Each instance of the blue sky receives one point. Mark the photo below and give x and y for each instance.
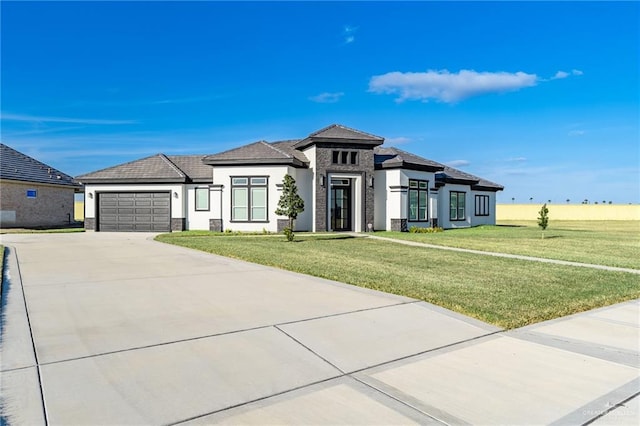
(540, 97)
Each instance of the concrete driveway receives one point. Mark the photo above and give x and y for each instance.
(108, 328)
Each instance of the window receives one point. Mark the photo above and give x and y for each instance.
(456, 205)
(32, 193)
(249, 199)
(418, 196)
(202, 199)
(482, 205)
(344, 157)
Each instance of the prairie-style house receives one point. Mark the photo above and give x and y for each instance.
(347, 179)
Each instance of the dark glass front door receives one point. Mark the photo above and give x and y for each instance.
(341, 208)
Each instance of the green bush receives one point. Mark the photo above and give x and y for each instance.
(288, 232)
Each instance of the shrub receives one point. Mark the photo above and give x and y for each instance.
(419, 230)
(288, 232)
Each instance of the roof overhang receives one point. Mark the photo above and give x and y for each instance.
(132, 180)
(307, 142)
(487, 188)
(408, 166)
(256, 162)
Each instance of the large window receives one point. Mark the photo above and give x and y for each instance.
(456, 205)
(202, 199)
(418, 196)
(249, 199)
(482, 205)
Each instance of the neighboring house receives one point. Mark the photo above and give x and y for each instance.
(33, 194)
(346, 179)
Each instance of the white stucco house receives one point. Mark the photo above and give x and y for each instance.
(347, 179)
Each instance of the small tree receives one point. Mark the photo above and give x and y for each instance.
(290, 204)
(543, 219)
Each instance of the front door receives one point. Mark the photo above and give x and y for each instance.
(340, 205)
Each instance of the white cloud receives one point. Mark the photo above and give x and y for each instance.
(559, 75)
(577, 133)
(327, 97)
(400, 140)
(448, 87)
(349, 34)
(458, 163)
(576, 72)
(45, 119)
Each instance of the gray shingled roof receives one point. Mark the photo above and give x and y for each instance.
(156, 168)
(15, 165)
(260, 152)
(389, 158)
(193, 167)
(336, 132)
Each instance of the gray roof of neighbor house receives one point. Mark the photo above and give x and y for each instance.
(15, 165)
(338, 132)
(157, 168)
(260, 152)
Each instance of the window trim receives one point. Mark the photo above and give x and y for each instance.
(457, 195)
(482, 206)
(421, 186)
(202, 209)
(249, 185)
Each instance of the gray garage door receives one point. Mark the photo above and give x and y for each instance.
(134, 211)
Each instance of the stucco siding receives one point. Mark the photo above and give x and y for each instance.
(380, 200)
(198, 219)
(444, 219)
(490, 217)
(53, 205)
(222, 176)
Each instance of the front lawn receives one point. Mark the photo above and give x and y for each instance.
(611, 243)
(506, 292)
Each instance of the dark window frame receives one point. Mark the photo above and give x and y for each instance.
(345, 157)
(457, 195)
(200, 209)
(421, 188)
(482, 205)
(250, 185)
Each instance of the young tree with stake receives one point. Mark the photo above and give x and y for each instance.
(290, 204)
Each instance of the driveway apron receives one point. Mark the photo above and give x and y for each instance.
(115, 328)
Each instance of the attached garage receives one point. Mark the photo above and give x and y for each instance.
(134, 211)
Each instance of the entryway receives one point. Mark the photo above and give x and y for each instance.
(341, 204)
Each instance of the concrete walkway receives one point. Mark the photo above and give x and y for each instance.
(101, 328)
(495, 254)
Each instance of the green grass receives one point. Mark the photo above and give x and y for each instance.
(611, 243)
(40, 231)
(505, 292)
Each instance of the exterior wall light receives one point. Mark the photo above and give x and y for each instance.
(91, 195)
(322, 178)
(371, 181)
(175, 194)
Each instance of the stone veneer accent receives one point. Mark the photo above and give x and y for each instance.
(399, 225)
(178, 224)
(324, 166)
(90, 223)
(215, 225)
